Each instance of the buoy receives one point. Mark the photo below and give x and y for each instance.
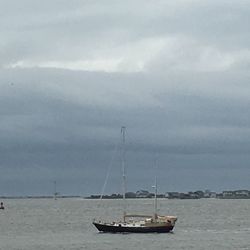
(1, 205)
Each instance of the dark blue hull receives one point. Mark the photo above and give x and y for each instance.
(123, 229)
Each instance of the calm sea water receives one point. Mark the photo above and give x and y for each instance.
(35, 224)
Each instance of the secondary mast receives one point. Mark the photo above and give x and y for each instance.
(156, 190)
(155, 201)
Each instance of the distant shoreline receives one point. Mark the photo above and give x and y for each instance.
(236, 194)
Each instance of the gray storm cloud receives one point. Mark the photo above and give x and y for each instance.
(175, 73)
(116, 36)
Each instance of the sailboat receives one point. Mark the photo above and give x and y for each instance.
(137, 223)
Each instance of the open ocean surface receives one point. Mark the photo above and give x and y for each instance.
(34, 224)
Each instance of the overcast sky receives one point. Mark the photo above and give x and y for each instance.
(175, 73)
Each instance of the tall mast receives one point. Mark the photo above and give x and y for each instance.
(123, 130)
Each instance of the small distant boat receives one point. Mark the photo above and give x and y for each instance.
(136, 223)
